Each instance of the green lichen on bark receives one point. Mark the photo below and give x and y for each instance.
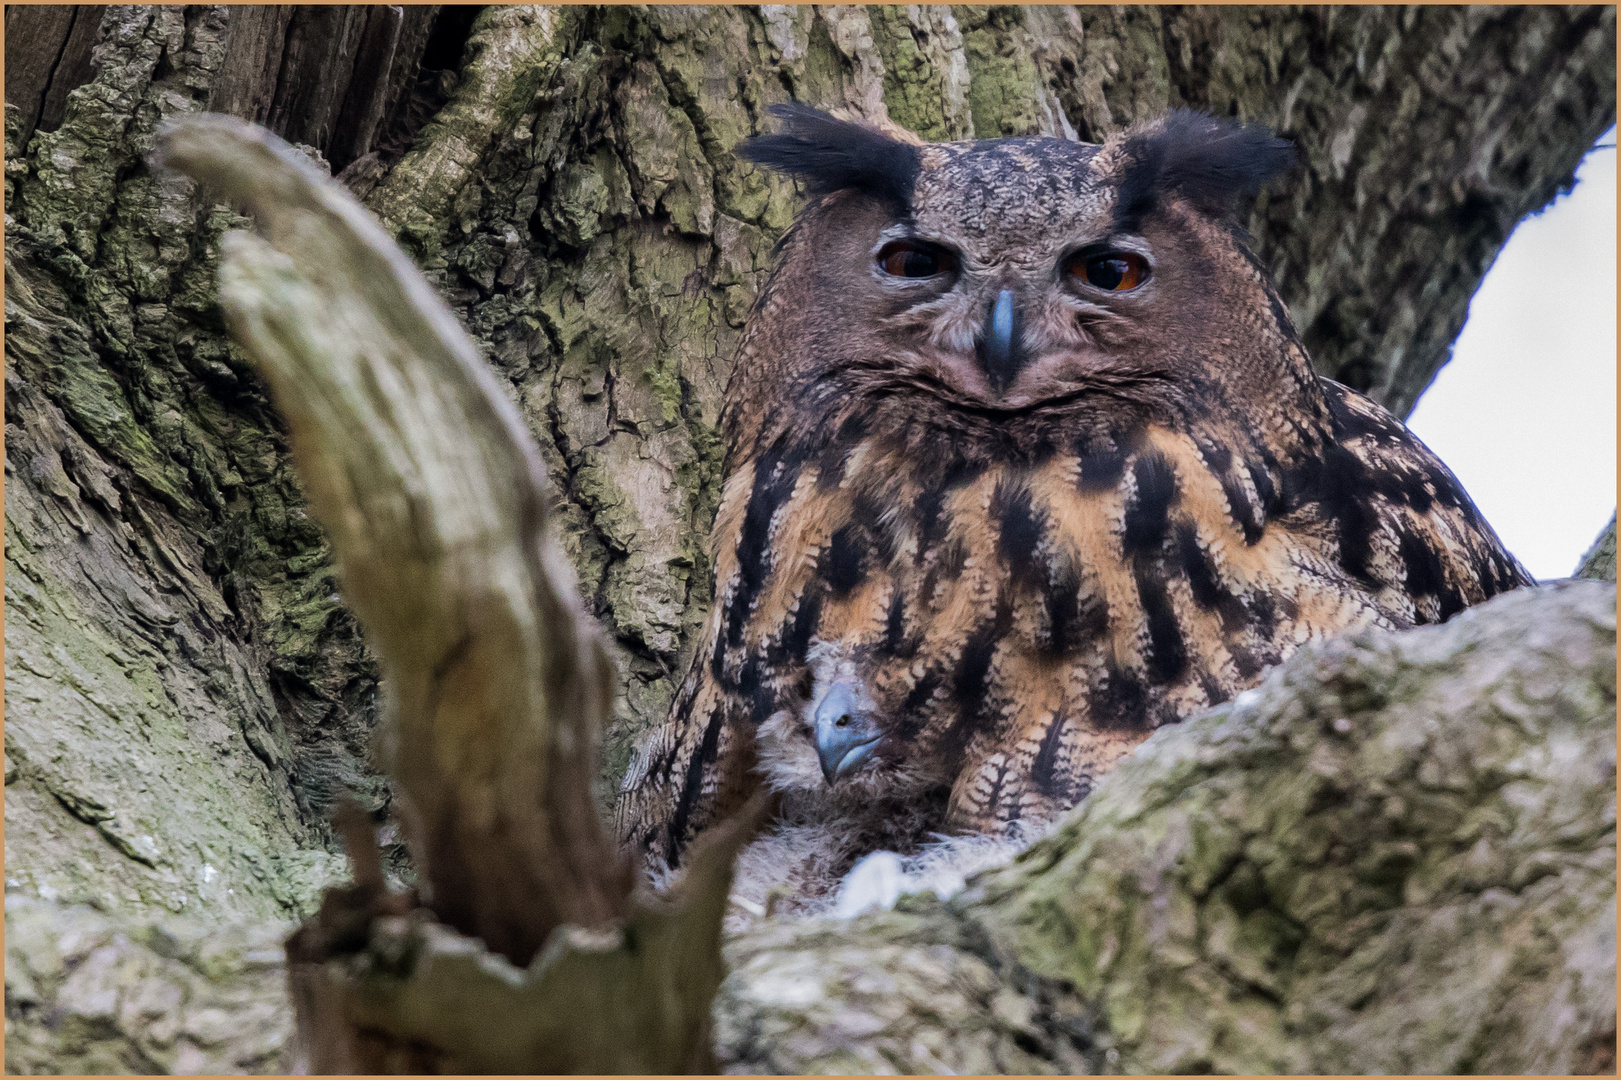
(926, 73)
(433, 192)
(157, 724)
(1002, 71)
(579, 203)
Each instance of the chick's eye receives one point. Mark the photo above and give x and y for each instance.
(1114, 271)
(905, 259)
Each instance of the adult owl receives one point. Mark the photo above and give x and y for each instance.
(1026, 459)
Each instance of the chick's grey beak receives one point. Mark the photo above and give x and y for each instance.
(846, 734)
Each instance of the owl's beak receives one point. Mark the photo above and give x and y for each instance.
(846, 734)
(1001, 341)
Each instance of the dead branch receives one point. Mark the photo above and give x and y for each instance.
(436, 503)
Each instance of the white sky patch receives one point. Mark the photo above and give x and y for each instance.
(1524, 414)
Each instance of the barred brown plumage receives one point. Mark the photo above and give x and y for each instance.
(989, 521)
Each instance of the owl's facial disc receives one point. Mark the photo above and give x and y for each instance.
(1006, 319)
(1013, 275)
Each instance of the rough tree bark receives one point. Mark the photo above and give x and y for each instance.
(187, 694)
(1599, 562)
(1397, 855)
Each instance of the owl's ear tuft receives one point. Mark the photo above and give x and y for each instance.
(1217, 165)
(828, 155)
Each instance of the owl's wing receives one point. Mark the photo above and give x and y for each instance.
(1444, 555)
(674, 787)
(1023, 624)
(697, 767)
(668, 792)
(1206, 562)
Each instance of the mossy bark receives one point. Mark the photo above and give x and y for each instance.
(1397, 855)
(1599, 562)
(173, 639)
(188, 694)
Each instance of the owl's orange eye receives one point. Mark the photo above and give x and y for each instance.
(907, 258)
(1113, 271)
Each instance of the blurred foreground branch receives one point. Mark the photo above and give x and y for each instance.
(532, 951)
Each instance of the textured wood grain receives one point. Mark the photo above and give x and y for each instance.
(255, 39)
(48, 54)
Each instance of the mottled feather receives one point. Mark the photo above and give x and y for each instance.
(1025, 582)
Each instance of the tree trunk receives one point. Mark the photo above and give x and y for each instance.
(566, 177)
(188, 695)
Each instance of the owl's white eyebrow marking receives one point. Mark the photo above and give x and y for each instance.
(909, 230)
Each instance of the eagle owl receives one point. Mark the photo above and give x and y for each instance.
(1026, 459)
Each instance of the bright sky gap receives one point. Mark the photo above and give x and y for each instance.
(1525, 413)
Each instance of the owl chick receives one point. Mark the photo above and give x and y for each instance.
(1026, 459)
